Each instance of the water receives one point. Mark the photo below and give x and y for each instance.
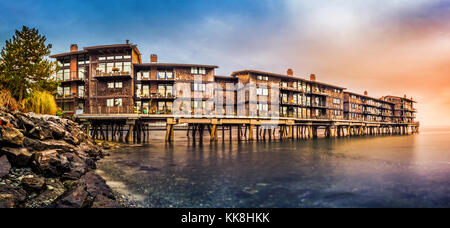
(386, 171)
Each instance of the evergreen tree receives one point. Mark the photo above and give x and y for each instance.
(24, 66)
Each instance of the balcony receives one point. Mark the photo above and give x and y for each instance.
(158, 79)
(289, 88)
(69, 97)
(157, 96)
(113, 75)
(315, 92)
(318, 105)
(74, 77)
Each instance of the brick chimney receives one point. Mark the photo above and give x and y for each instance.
(312, 77)
(406, 96)
(366, 93)
(73, 47)
(153, 58)
(127, 41)
(290, 72)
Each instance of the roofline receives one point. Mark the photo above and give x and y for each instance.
(407, 99)
(373, 98)
(285, 76)
(87, 49)
(174, 65)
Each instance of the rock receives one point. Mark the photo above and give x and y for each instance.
(19, 157)
(104, 202)
(5, 166)
(33, 184)
(89, 191)
(50, 163)
(75, 198)
(11, 196)
(11, 136)
(39, 145)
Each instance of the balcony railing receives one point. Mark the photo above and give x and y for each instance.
(69, 96)
(113, 74)
(157, 96)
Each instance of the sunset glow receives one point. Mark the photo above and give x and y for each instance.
(385, 47)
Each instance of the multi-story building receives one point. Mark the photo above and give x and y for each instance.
(364, 108)
(403, 111)
(97, 79)
(112, 79)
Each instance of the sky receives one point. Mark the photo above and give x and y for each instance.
(385, 47)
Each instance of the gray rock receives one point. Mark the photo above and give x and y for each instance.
(11, 196)
(5, 166)
(19, 157)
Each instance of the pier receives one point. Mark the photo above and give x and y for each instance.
(136, 128)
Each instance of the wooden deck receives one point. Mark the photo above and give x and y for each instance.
(135, 127)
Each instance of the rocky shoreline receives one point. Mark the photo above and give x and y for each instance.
(47, 161)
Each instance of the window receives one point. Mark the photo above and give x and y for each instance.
(109, 67)
(198, 70)
(165, 75)
(146, 90)
(110, 85)
(139, 76)
(118, 85)
(284, 84)
(60, 75)
(127, 67)
(194, 70)
(262, 78)
(118, 102)
(80, 91)
(110, 57)
(81, 73)
(263, 107)
(118, 66)
(198, 104)
(198, 87)
(336, 101)
(262, 92)
(127, 57)
(145, 75)
(110, 103)
(67, 91)
(102, 58)
(201, 70)
(119, 57)
(66, 74)
(101, 68)
(60, 91)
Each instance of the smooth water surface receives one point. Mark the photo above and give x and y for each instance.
(384, 171)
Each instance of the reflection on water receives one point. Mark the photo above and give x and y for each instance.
(391, 171)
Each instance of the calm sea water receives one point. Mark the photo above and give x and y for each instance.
(385, 171)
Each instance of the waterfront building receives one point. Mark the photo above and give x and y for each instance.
(364, 108)
(112, 79)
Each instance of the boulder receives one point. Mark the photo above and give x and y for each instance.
(5, 166)
(33, 184)
(11, 196)
(50, 163)
(19, 157)
(11, 136)
(90, 190)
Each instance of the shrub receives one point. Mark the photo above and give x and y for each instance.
(40, 102)
(7, 101)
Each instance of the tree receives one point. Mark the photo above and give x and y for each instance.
(24, 66)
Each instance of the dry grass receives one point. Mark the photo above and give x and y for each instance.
(7, 101)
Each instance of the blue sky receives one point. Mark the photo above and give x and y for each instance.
(385, 47)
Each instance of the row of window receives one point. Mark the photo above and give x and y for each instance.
(163, 90)
(114, 67)
(160, 75)
(115, 85)
(114, 57)
(65, 91)
(198, 70)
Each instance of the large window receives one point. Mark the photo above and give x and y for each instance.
(81, 72)
(262, 92)
(198, 70)
(101, 68)
(66, 74)
(60, 91)
(165, 75)
(66, 91)
(198, 87)
(165, 90)
(145, 90)
(60, 75)
(114, 102)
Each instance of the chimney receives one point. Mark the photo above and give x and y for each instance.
(405, 96)
(128, 41)
(153, 58)
(73, 47)
(290, 72)
(312, 77)
(366, 93)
